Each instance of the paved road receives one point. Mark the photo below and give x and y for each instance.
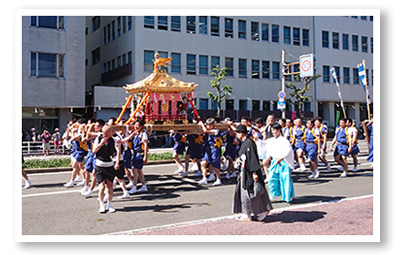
(50, 209)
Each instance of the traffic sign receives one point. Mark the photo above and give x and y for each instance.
(281, 94)
(281, 105)
(307, 65)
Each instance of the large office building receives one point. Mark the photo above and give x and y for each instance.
(120, 50)
(53, 70)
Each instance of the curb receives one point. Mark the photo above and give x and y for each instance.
(66, 169)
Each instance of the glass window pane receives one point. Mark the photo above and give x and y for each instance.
(176, 23)
(265, 32)
(176, 63)
(228, 27)
(214, 62)
(215, 26)
(47, 65)
(242, 29)
(61, 66)
(203, 62)
(148, 21)
(203, 24)
(148, 60)
(33, 64)
(191, 24)
(163, 22)
(190, 64)
(275, 33)
(48, 21)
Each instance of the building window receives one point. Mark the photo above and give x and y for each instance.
(203, 65)
(264, 32)
(203, 25)
(95, 23)
(242, 29)
(163, 54)
(148, 60)
(229, 27)
(118, 27)
(287, 35)
(112, 30)
(275, 33)
(242, 68)
(95, 56)
(108, 33)
(163, 22)
(229, 104)
(345, 41)
(326, 74)
(265, 69)
(356, 79)
(229, 66)
(176, 63)
(55, 22)
(214, 62)
(119, 63)
(296, 36)
(191, 24)
(255, 105)
(337, 71)
(266, 105)
(275, 71)
(191, 64)
(130, 60)
(255, 31)
(364, 44)
(306, 37)
(243, 105)
(325, 39)
(203, 103)
(124, 61)
(335, 40)
(176, 23)
(346, 75)
(124, 24)
(372, 45)
(215, 26)
(255, 69)
(149, 21)
(47, 65)
(105, 35)
(364, 17)
(129, 23)
(354, 42)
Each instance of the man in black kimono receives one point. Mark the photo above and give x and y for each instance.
(251, 196)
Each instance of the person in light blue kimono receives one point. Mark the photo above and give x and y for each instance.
(370, 130)
(280, 152)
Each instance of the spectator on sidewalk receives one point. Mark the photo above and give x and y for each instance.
(46, 136)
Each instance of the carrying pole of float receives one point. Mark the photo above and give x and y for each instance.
(137, 109)
(128, 101)
(283, 78)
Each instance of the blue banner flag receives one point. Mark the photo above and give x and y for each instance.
(362, 75)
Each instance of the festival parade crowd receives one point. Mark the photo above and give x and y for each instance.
(260, 154)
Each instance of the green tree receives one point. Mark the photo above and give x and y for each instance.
(222, 92)
(298, 97)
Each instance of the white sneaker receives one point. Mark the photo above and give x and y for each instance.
(340, 168)
(143, 189)
(227, 176)
(312, 175)
(180, 170)
(184, 174)
(262, 216)
(302, 168)
(211, 178)
(27, 184)
(272, 197)
(316, 175)
(232, 175)
(130, 184)
(132, 190)
(96, 188)
(110, 208)
(199, 173)
(328, 168)
(114, 184)
(82, 183)
(84, 189)
(125, 195)
(194, 168)
(78, 178)
(87, 193)
(354, 169)
(217, 182)
(102, 209)
(105, 200)
(343, 175)
(203, 181)
(69, 184)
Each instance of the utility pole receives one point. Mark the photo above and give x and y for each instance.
(283, 78)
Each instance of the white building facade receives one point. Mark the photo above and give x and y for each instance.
(53, 70)
(120, 50)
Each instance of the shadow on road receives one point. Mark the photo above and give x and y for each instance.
(295, 216)
(163, 208)
(313, 199)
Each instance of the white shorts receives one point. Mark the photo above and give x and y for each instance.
(46, 146)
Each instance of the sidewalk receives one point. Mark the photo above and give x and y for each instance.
(346, 217)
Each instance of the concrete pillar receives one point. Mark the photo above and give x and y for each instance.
(332, 114)
(357, 113)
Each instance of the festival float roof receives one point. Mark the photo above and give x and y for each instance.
(160, 82)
